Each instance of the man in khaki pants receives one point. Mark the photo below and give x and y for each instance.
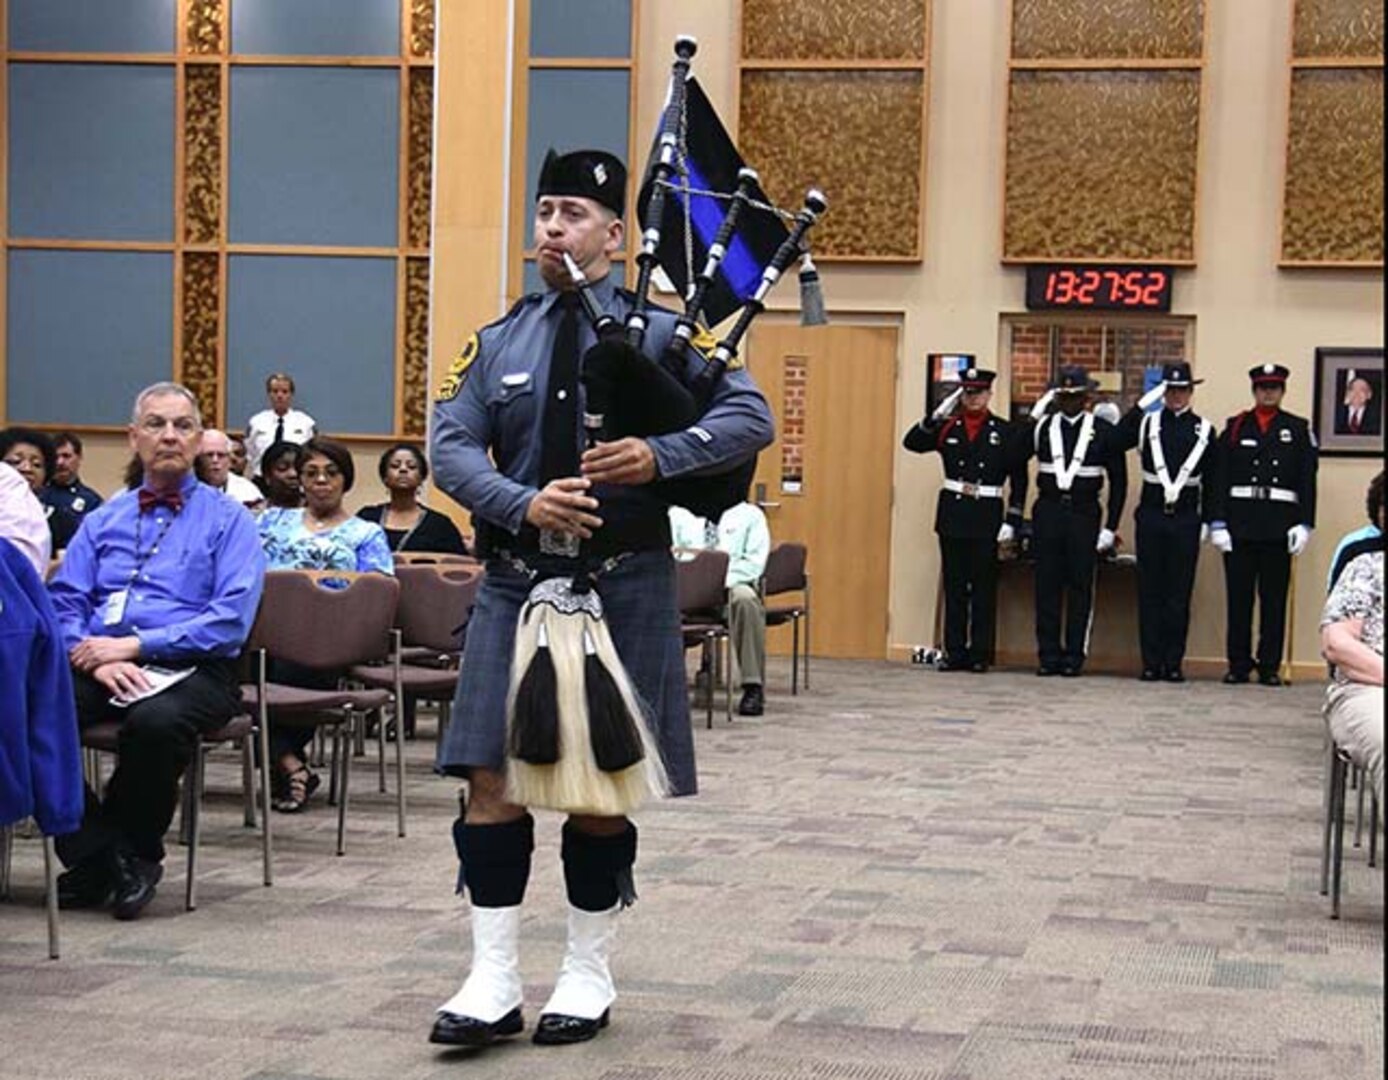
(742, 533)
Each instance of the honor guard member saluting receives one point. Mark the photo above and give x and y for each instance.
(1262, 511)
(1175, 446)
(506, 444)
(1075, 450)
(980, 452)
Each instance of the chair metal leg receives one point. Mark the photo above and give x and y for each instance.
(332, 765)
(1337, 855)
(6, 845)
(1328, 813)
(401, 715)
(381, 746)
(1373, 828)
(50, 877)
(727, 644)
(248, 782)
(794, 655)
(707, 666)
(346, 758)
(1359, 810)
(192, 815)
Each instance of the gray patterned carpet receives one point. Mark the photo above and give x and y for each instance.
(902, 875)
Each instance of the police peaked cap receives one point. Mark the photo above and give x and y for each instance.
(585, 174)
(976, 378)
(1178, 375)
(1073, 379)
(1268, 373)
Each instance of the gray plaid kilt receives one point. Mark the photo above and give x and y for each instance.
(638, 598)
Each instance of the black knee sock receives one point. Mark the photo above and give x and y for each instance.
(597, 869)
(494, 860)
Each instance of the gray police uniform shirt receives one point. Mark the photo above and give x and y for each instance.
(488, 414)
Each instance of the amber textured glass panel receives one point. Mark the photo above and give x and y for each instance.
(1338, 28)
(205, 21)
(422, 28)
(1334, 198)
(419, 157)
(1107, 29)
(200, 320)
(1102, 165)
(833, 29)
(415, 389)
(854, 134)
(202, 155)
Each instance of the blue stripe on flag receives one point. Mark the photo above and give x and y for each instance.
(739, 267)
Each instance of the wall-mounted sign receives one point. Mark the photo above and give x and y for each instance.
(1077, 287)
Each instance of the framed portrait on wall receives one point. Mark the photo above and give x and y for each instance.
(1348, 416)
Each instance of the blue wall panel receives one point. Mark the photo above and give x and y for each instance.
(573, 109)
(313, 156)
(593, 28)
(91, 151)
(329, 322)
(87, 330)
(118, 26)
(316, 27)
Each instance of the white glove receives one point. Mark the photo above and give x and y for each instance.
(947, 406)
(1147, 400)
(1043, 403)
(1298, 536)
(1106, 540)
(1006, 534)
(1220, 538)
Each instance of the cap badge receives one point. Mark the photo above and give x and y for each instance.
(600, 173)
(1268, 369)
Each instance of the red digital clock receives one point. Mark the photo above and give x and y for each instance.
(1098, 288)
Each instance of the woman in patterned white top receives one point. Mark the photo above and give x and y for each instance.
(320, 536)
(1352, 641)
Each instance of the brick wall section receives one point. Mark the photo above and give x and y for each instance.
(795, 382)
(1093, 347)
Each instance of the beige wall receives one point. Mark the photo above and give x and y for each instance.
(1245, 308)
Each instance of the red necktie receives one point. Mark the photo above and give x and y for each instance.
(150, 500)
(1354, 423)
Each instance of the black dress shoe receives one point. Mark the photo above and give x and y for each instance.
(1235, 678)
(1070, 671)
(450, 1029)
(753, 701)
(1174, 675)
(1269, 678)
(979, 667)
(1150, 675)
(952, 665)
(86, 885)
(1047, 670)
(135, 879)
(555, 1029)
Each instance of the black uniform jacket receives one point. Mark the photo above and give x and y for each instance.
(996, 455)
(1105, 457)
(1179, 434)
(1270, 466)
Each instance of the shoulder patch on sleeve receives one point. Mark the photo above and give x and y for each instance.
(458, 370)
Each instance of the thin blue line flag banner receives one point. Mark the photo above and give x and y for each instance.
(713, 163)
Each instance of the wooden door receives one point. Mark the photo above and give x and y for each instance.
(827, 480)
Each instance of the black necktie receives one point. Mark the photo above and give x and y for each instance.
(279, 430)
(559, 451)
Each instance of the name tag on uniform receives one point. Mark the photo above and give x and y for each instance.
(115, 607)
(1248, 442)
(516, 378)
(952, 441)
(1285, 435)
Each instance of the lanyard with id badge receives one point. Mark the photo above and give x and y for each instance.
(114, 611)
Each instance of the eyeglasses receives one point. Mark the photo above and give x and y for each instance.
(183, 425)
(332, 472)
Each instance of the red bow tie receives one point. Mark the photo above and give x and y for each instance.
(150, 500)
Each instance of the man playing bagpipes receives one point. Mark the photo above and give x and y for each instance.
(576, 625)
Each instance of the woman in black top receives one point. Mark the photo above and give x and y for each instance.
(409, 525)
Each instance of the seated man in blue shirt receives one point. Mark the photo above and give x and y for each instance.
(169, 574)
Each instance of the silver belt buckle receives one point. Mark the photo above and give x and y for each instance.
(970, 490)
(563, 545)
(1263, 493)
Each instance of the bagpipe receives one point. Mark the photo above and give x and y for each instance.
(629, 394)
(577, 737)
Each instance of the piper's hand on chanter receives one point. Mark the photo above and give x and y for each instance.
(564, 506)
(626, 461)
